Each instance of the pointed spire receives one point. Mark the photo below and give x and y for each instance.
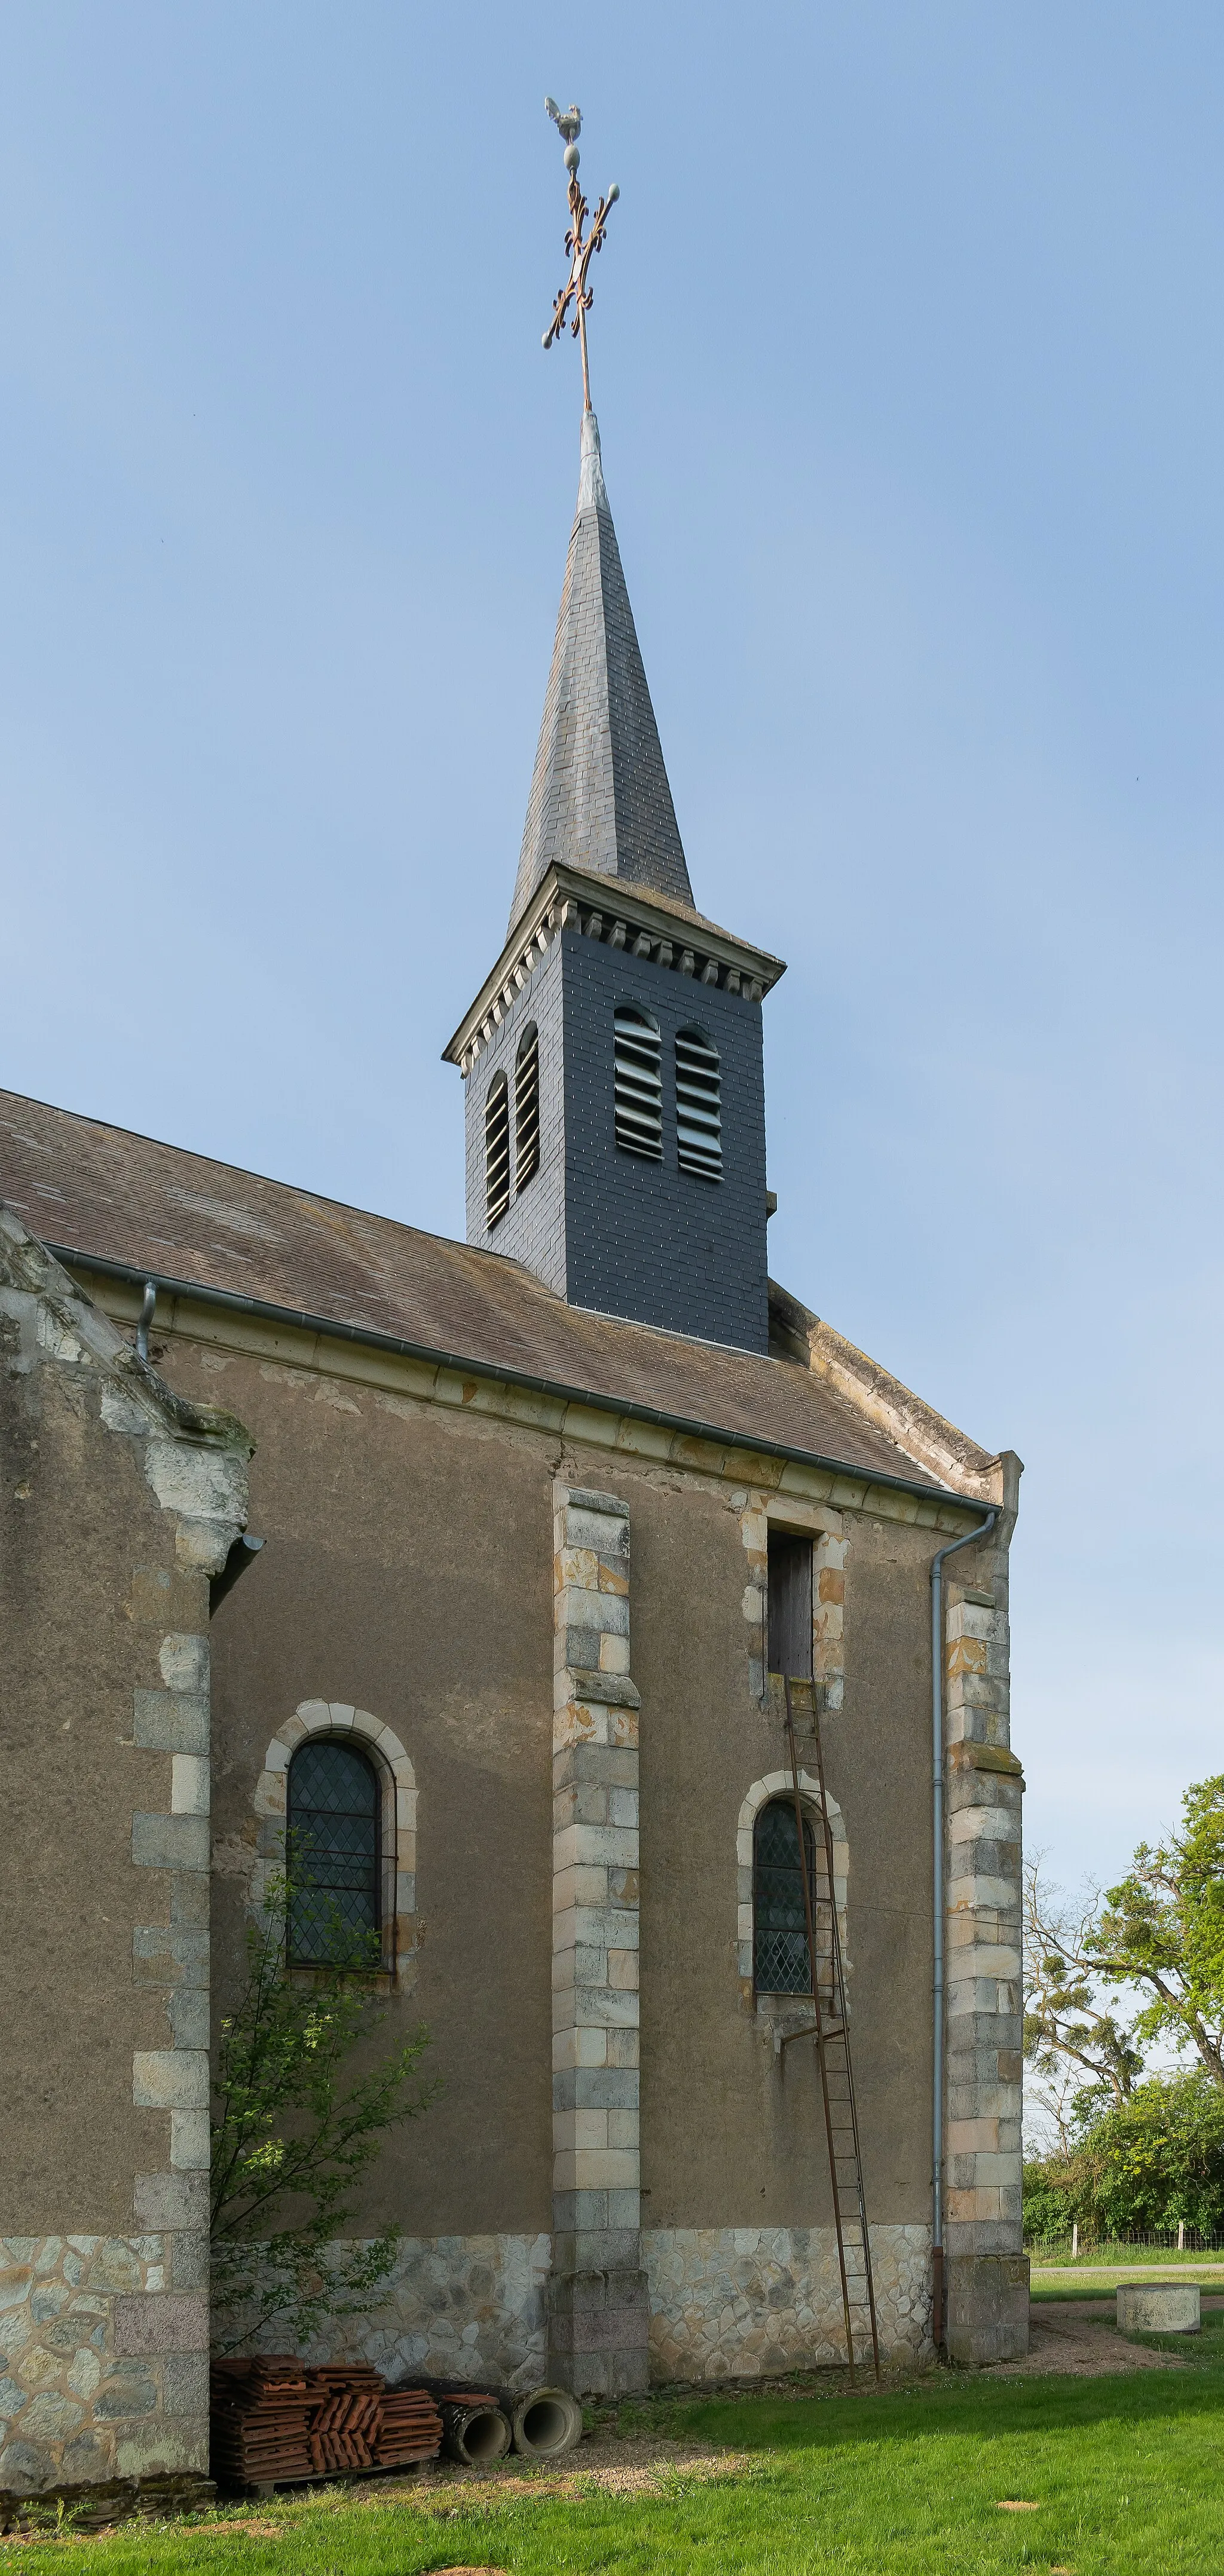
(599, 794)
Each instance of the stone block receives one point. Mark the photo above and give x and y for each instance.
(190, 1784)
(165, 2324)
(50, 2418)
(170, 1842)
(190, 2018)
(189, 2260)
(169, 1721)
(184, 1662)
(609, 1690)
(190, 2142)
(128, 2392)
(171, 2200)
(166, 1954)
(191, 1897)
(988, 2307)
(605, 2088)
(170, 2079)
(185, 2383)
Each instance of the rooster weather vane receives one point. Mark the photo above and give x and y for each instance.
(568, 121)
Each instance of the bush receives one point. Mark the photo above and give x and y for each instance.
(1137, 2167)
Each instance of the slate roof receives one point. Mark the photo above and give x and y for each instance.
(99, 1190)
(600, 797)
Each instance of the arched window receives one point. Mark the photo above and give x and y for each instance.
(526, 1108)
(781, 1962)
(497, 1150)
(639, 1082)
(334, 1861)
(698, 1116)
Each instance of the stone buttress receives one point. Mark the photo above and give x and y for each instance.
(988, 2285)
(598, 2296)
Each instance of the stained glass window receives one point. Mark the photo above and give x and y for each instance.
(333, 1853)
(781, 1962)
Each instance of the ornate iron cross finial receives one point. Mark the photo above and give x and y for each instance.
(568, 121)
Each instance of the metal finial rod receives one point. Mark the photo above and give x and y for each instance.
(581, 248)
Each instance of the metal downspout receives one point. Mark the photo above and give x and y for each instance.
(940, 1983)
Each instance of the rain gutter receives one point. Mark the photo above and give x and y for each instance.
(503, 1373)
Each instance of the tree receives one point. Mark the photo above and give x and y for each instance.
(1137, 2165)
(292, 2140)
(1162, 1930)
(1069, 2035)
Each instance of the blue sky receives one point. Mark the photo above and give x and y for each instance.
(906, 353)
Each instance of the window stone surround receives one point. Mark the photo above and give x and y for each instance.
(339, 1719)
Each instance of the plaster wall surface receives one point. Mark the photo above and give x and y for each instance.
(86, 1550)
(409, 1569)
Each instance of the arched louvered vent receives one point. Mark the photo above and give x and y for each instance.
(497, 1150)
(698, 1118)
(639, 1083)
(526, 1109)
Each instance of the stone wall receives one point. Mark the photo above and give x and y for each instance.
(742, 2302)
(104, 2375)
(453, 2307)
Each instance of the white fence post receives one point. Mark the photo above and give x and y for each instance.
(1181, 2235)
(1075, 2242)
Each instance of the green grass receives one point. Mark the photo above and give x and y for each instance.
(1124, 2474)
(1089, 2281)
(1114, 2257)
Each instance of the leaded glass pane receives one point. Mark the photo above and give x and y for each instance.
(781, 1963)
(333, 1853)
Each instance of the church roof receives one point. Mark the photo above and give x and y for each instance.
(92, 1190)
(600, 798)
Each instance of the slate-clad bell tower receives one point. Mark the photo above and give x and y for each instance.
(615, 1100)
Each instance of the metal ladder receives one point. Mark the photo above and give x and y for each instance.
(832, 2037)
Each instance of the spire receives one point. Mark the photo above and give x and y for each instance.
(599, 793)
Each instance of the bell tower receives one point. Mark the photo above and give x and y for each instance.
(612, 1060)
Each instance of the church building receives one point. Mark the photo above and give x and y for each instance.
(548, 1521)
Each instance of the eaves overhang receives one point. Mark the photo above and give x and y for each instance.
(855, 1476)
(622, 916)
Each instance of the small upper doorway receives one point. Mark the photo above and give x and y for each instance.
(790, 1605)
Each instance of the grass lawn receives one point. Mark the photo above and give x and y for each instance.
(1100, 2280)
(1123, 2475)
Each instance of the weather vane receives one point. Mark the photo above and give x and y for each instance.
(568, 121)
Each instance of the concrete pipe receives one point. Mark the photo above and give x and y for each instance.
(477, 2434)
(546, 2423)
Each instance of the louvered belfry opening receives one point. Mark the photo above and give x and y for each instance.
(639, 1083)
(526, 1109)
(497, 1150)
(334, 1871)
(698, 1112)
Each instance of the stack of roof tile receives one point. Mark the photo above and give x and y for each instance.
(275, 2422)
(410, 2428)
(261, 2413)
